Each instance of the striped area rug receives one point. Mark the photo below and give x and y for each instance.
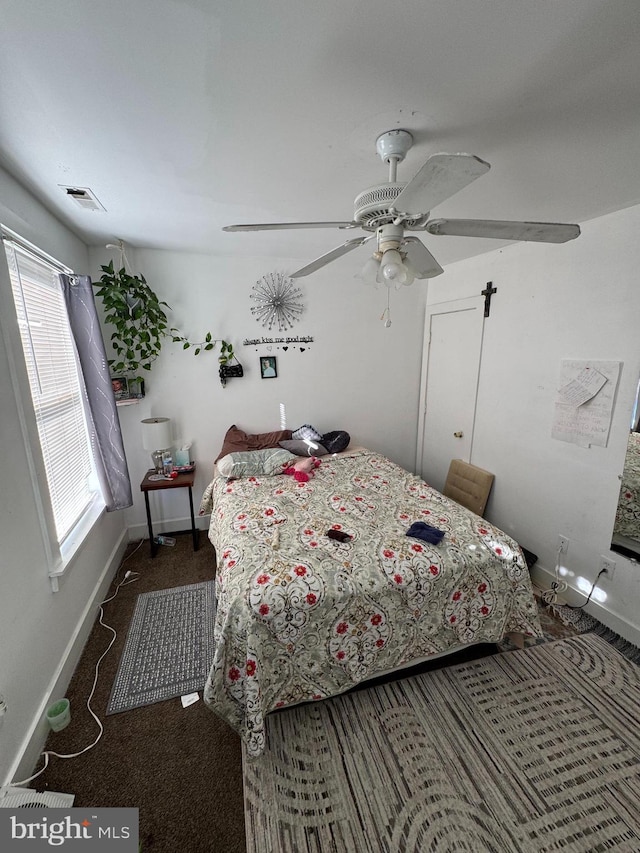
(582, 623)
(533, 750)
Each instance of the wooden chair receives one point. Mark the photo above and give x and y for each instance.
(468, 485)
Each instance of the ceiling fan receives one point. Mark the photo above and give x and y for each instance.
(391, 209)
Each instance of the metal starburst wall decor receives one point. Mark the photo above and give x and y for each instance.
(278, 302)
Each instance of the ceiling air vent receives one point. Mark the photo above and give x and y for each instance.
(83, 197)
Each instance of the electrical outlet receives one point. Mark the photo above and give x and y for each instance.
(563, 544)
(608, 565)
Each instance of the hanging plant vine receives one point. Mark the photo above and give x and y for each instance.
(139, 319)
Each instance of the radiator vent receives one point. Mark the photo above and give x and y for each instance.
(27, 798)
(83, 197)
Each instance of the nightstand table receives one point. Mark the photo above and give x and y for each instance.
(182, 481)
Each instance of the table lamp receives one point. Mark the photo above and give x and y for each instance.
(156, 437)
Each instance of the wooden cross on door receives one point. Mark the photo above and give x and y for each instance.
(487, 293)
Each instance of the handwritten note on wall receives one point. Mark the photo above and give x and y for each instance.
(584, 402)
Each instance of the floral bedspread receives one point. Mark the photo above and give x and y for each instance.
(627, 521)
(302, 617)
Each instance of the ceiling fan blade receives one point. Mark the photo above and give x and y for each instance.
(440, 177)
(420, 259)
(283, 226)
(541, 232)
(331, 256)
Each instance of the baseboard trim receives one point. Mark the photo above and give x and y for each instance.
(141, 531)
(543, 578)
(34, 740)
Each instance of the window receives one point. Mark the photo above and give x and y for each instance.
(56, 389)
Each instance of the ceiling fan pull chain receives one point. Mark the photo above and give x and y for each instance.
(386, 314)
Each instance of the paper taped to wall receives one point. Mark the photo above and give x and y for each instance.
(585, 386)
(584, 403)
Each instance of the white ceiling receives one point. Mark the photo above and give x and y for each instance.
(186, 115)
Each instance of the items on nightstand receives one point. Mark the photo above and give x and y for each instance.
(167, 463)
(156, 437)
(182, 455)
(153, 483)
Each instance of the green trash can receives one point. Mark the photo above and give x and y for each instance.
(59, 715)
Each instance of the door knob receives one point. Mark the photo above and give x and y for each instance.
(458, 434)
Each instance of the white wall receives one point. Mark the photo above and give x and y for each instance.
(356, 375)
(41, 633)
(577, 300)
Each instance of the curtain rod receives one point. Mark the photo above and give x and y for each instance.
(18, 242)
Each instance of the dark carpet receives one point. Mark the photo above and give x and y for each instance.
(181, 767)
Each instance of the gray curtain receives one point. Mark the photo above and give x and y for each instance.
(104, 424)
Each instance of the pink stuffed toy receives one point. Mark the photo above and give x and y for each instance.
(303, 468)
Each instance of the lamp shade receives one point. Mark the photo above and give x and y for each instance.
(156, 433)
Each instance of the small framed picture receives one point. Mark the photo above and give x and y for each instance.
(120, 385)
(268, 369)
(136, 387)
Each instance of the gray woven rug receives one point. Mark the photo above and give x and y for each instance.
(169, 647)
(534, 750)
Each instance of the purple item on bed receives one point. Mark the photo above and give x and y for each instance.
(420, 530)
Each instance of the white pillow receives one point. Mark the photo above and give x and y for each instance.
(254, 463)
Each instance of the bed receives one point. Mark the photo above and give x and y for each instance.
(301, 617)
(627, 523)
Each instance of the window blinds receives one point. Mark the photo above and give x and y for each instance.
(55, 385)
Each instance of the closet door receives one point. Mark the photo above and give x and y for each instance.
(449, 386)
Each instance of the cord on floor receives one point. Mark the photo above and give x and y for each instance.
(550, 596)
(593, 586)
(126, 580)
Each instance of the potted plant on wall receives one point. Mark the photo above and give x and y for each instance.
(140, 322)
(227, 369)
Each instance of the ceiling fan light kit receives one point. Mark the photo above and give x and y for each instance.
(394, 267)
(370, 272)
(389, 210)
